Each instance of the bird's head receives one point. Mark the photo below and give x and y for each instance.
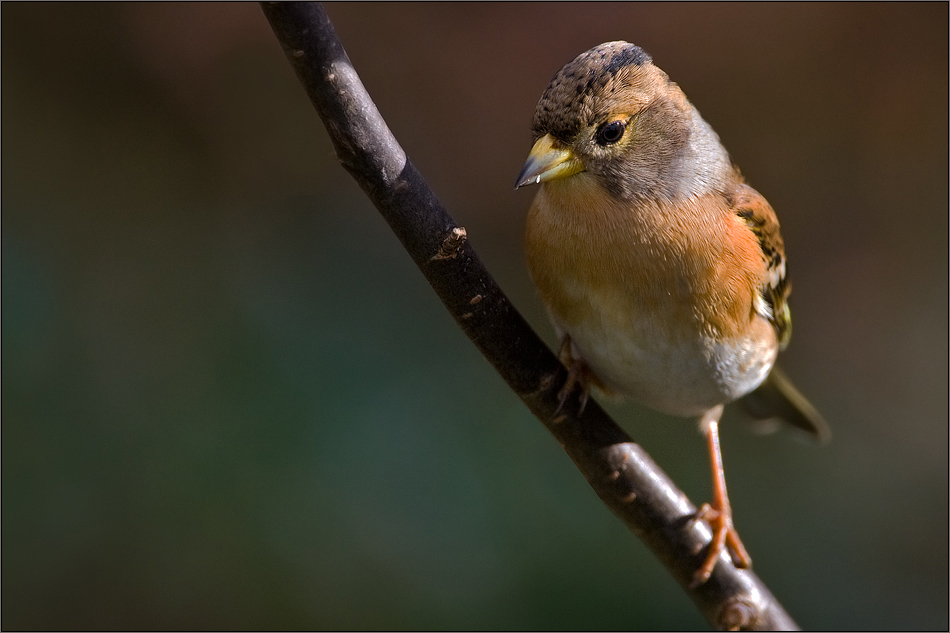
(613, 115)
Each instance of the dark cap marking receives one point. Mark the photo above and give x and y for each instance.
(626, 56)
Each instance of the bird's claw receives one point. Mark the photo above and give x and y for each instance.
(724, 536)
(577, 374)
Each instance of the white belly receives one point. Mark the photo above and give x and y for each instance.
(684, 375)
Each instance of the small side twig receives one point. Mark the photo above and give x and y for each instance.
(619, 471)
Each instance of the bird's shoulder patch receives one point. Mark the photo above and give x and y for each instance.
(772, 302)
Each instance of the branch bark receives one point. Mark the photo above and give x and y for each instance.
(619, 470)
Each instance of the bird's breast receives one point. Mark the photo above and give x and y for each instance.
(658, 299)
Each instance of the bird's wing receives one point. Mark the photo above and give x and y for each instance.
(749, 205)
(777, 397)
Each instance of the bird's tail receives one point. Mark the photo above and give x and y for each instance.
(777, 397)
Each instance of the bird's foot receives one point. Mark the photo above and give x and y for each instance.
(724, 537)
(577, 374)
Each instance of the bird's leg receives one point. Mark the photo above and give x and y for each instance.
(577, 373)
(719, 513)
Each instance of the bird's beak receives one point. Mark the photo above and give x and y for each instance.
(548, 160)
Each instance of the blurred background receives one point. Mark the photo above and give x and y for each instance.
(230, 400)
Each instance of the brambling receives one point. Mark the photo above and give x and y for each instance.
(663, 272)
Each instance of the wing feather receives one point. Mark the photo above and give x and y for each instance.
(772, 302)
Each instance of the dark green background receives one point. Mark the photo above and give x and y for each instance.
(231, 401)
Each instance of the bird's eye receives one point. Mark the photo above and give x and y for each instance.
(610, 133)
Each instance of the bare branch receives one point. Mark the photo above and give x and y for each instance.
(618, 470)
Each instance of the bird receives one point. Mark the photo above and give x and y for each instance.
(663, 272)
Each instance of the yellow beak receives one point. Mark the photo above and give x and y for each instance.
(548, 160)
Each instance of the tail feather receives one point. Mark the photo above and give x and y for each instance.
(777, 397)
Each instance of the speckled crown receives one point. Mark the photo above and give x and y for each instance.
(573, 86)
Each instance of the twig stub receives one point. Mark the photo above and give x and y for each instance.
(452, 244)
